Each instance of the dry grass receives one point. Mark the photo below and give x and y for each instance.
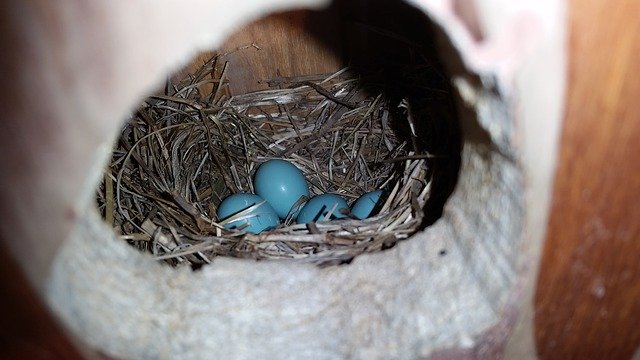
(184, 151)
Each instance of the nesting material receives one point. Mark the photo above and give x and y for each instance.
(184, 151)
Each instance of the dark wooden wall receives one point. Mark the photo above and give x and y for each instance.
(27, 329)
(277, 45)
(588, 295)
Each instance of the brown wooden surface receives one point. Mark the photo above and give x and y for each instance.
(27, 330)
(588, 296)
(284, 46)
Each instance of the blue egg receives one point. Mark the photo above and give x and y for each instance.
(282, 184)
(317, 208)
(262, 217)
(367, 204)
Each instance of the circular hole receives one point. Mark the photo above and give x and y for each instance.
(355, 99)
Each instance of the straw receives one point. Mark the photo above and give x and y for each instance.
(185, 150)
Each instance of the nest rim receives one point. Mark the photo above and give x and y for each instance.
(408, 188)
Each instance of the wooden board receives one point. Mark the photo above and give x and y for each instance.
(278, 45)
(588, 296)
(27, 329)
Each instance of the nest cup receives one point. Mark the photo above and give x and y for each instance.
(186, 149)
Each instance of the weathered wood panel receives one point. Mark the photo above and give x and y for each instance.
(278, 45)
(27, 329)
(588, 297)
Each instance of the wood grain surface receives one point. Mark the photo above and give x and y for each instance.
(278, 45)
(588, 295)
(27, 329)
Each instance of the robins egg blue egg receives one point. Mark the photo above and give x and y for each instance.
(259, 219)
(319, 206)
(282, 184)
(367, 204)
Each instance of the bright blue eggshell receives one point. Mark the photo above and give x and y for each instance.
(317, 208)
(280, 183)
(264, 216)
(367, 204)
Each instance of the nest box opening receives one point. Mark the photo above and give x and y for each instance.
(371, 89)
(359, 98)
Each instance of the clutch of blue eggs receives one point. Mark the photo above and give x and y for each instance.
(282, 192)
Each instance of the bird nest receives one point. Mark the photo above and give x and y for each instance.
(185, 150)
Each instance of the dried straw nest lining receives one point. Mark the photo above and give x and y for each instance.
(185, 151)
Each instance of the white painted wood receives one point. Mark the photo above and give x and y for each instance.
(406, 302)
